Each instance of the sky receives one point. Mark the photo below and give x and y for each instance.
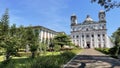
(55, 14)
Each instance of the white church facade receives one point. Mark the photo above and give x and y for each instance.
(90, 33)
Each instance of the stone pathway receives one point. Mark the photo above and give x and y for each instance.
(90, 58)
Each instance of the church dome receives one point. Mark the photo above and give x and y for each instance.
(73, 14)
(88, 18)
(102, 11)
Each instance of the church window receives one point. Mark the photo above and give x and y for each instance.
(103, 35)
(87, 35)
(73, 29)
(87, 29)
(82, 35)
(103, 27)
(77, 36)
(92, 35)
(98, 35)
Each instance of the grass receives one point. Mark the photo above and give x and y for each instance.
(1, 58)
(49, 60)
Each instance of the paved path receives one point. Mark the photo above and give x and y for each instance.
(90, 58)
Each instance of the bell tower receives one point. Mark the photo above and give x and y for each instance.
(102, 16)
(73, 19)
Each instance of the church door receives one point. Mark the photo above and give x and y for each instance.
(88, 44)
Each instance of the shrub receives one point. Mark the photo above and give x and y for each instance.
(24, 54)
(57, 48)
(113, 50)
(50, 61)
(68, 54)
(103, 50)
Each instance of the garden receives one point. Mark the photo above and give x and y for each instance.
(45, 60)
(14, 40)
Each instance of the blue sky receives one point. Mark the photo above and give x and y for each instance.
(55, 14)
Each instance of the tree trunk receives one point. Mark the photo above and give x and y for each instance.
(7, 56)
(61, 46)
(33, 54)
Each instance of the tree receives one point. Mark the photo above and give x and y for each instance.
(116, 39)
(107, 4)
(4, 28)
(62, 39)
(21, 33)
(32, 39)
(8, 36)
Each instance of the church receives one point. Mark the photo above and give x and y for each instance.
(90, 33)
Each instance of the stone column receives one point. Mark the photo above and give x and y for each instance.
(85, 41)
(106, 41)
(45, 37)
(96, 40)
(41, 35)
(91, 45)
(81, 41)
(101, 40)
(48, 37)
(51, 35)
(75, 40)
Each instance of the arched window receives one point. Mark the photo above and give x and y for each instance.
(82, 35)
(92, 35)
(98, 35)
(87, 35)
(77, 36)
(87, 29)
(103, 27)
(73, 29)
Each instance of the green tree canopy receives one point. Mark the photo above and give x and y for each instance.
(62, 39)
(116, 38)
(32, 39)
(107, 4)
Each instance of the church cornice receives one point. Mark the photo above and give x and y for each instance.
(89, 30)
(89, 23)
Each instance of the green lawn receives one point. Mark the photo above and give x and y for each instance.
(49, 60)
(1, 58)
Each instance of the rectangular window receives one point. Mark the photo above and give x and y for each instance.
(98, 35)
(92, 35)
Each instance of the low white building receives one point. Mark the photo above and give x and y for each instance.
(45, 34)
(90, 33)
